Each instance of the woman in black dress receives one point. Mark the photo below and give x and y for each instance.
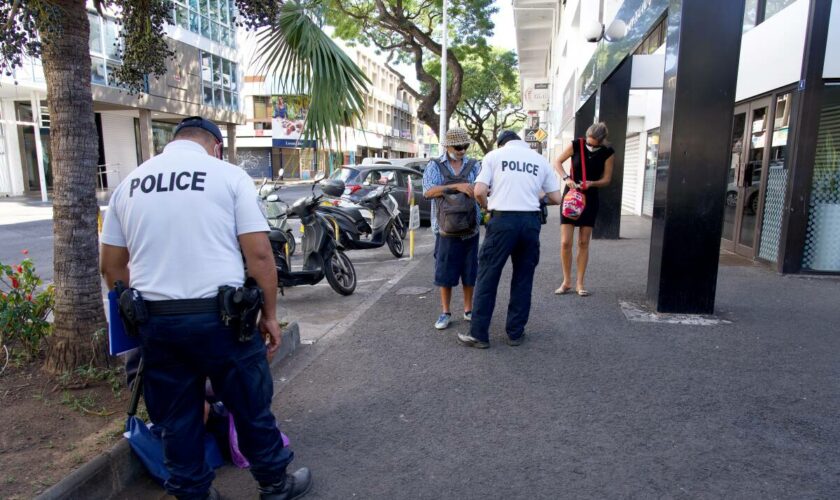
(599, 158)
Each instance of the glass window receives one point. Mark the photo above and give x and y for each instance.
(750, 14)
(195, 23)
(224, 12)
(217, 96)
(111, 68)
(822, 246)
(228, 100)
(216, 32)
(194, 5)
(226, 37)
(205, 27)
(206, 67)
(208, 95)
(217, 70)
(226, 73)
(774, 6)
(182, 17)
(94, 39)
(97, 70)
(214, 9)
(112, 33)
(777, 175)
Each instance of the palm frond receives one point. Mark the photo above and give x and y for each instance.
(305, 60)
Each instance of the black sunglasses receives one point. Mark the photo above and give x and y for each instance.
(460, 147)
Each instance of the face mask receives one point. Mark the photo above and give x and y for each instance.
(452, 157)
(592, 149)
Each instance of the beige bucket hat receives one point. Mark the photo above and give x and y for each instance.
(456, 137)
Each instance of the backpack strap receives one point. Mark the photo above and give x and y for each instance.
(449, 176)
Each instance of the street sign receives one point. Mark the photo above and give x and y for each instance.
(530, 135)
(414, 218)
(540, 135)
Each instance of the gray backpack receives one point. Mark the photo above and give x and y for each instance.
(456, 212)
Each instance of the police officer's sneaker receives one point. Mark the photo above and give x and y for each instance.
(515, 342)
(293, 486)
(443, 321)
(470, 341)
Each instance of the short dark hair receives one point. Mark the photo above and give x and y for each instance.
(195, 133)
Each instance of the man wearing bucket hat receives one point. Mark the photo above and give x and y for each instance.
(510, 185)
(448, 182)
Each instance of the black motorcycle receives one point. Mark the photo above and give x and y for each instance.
(372, 222)
(323, 255)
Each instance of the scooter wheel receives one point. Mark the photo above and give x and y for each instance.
(394, 240)
(292, 242)
(340, 272)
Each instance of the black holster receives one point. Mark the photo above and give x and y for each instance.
(133, 310)
(240, 307)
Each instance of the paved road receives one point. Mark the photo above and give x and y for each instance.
(591, 406)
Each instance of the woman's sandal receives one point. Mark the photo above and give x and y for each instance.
(583, 293)
(563, 290)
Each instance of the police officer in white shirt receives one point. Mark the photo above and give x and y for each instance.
(509, 186)
(176, 230)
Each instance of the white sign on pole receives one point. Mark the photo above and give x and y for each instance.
(414, 218)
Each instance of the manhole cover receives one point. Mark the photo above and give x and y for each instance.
(413, 290)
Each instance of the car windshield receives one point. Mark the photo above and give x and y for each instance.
(345, 174)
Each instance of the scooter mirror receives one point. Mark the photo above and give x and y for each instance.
(272, 197)
(320, 176)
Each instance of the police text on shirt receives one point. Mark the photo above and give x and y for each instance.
(177, 180)
(523, 167)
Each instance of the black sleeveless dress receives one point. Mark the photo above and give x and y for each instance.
(595, 162)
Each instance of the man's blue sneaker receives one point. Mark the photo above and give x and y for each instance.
(443, 322)
(468, 316)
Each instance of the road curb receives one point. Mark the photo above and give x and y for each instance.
(111, 472)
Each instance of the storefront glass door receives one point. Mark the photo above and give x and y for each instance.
(747, 168)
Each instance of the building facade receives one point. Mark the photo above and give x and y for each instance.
(269, 142)
(779, 210)
(203, 79)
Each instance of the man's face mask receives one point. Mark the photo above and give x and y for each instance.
(592, 149)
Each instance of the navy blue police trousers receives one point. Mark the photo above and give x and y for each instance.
(514, 235)
(180, 352)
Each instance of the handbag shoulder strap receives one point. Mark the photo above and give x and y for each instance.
(582, 161)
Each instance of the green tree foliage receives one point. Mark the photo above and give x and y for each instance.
(491, 99)
(409, 30)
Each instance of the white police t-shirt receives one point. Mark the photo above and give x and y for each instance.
(179, 215)
(516, 175)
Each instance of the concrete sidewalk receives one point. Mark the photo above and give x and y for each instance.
(591, 406)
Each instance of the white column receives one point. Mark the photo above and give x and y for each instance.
(39, 148)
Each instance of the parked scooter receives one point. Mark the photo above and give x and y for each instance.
(323, 255)
(276, 211)
(381, 226)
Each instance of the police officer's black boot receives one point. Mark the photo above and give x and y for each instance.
(293, 486)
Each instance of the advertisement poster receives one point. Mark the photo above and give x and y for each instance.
(288, 114)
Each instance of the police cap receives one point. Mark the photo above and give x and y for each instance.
(202, 123)
(507, 135)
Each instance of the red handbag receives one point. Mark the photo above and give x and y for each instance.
(574, 202)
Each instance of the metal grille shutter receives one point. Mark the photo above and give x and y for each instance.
(631, 187)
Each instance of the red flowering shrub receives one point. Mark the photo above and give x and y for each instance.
(24, 307)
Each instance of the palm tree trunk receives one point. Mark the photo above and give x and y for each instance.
(79, 312)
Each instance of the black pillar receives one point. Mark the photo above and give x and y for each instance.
(584, 117)
(614, 97)
(804, 126)
(701, 69)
